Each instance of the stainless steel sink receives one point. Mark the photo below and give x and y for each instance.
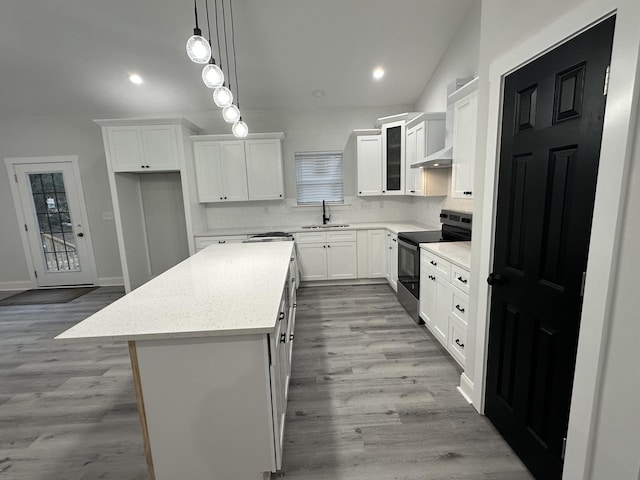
(336, 225)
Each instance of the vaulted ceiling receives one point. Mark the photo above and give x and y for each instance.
(65, 57)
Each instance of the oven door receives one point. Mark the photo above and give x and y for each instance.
(409, 266)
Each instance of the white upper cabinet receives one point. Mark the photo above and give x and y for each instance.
(238, 170)
(393, 158)
(414, 149)
(465, 120)
(222, 174)
(369, 160)
(264, 169)
(140, 148)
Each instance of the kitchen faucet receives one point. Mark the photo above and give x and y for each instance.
(325, 219)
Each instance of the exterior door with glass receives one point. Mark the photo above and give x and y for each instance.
(55, 222)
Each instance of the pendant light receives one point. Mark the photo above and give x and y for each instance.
(212, 74)
(222, 97)
(231, 114)
(198, 48)
(240, 129)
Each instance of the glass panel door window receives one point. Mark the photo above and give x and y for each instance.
(57, 235)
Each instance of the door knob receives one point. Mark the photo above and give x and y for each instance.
(81, 234)
(494, 279)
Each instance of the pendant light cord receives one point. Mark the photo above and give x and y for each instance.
(195, 9)
(226, 51)
(233, 46)
(206, 7)
(215, 14)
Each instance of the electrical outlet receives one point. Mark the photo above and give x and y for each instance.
(107, 215)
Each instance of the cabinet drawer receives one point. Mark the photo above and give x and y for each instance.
(342, 236)
(310, 237)
(457, 339)
(460, 306)
(460, 278)
(436, 263)
(202, 242)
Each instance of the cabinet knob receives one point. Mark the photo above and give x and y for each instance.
(384, 191)
(281, 316)
(225, 198)
(459, 343)
(359, 193)
(291, 337)
(324, 246)
(283, 338)
(220, 198)
(328, 246)
(141, 166)
(413, 191)
(280, 195)
(394, 239)
(460, 309)
(295, 305)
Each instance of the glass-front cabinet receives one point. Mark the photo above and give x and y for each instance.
(393, 158)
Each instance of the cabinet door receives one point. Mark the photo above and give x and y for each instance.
(464, 146)
(393, 161)
(394, 262)
(126, 150)
(312, 261)
(342, 260)
(414, 148)
(234, 171)
(160, 147)
(208, 164)
(264, 169)
(427, 296)
(377, 243)
(369, 159)
(443, 302)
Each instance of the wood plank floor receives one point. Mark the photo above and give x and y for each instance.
(372, 396)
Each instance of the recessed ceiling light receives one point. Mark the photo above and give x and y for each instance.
(136, 79)
(378, 73)
(318, 93)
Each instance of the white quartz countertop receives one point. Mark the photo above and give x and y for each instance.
(395, 227)
(458, 253)
(227, 289)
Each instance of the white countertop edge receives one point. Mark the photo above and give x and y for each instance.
(395, 227)
(458, 253)
(172, 335)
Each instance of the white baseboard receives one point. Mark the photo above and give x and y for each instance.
(355, 281)
(466, 388)
(22, 285)
(110, 282)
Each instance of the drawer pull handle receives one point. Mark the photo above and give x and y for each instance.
(462, 280)
(222, 241)
(295, 305)
(291, 337)
(433, 263)
(283, 338)
(460, 308)
(459, 343)
(281, 316)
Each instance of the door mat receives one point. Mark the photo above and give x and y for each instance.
(45, 296)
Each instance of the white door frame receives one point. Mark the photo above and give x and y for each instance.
(616, 151)
(72, 160)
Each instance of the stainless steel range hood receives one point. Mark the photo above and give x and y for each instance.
(440, 159)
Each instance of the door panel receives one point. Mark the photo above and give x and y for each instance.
(551, 131)
(56, 227)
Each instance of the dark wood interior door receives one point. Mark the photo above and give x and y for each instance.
(551, 131)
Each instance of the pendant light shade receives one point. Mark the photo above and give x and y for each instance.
(198, 48)
(231, 114)
(222, 97)
(212, 76)
(240, 129)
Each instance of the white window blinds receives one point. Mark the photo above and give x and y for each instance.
(319, 177)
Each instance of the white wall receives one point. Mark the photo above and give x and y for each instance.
(614, 423)
(460, 60)
(57, 136)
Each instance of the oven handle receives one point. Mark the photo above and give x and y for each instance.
(408, 245)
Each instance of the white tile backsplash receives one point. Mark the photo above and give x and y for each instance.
(356, 210)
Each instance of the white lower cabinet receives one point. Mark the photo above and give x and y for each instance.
(392, 260)
(372, 253)
(203, 242)
(443, 305)
(327, 255)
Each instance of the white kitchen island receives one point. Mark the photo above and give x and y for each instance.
(210, 342)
